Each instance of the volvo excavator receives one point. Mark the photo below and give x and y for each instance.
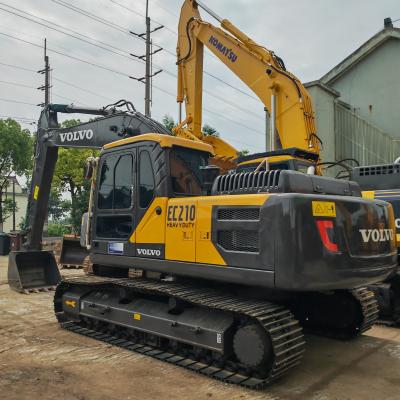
(382, 182)
(235, 264)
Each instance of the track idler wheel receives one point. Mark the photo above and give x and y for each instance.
(252, 347)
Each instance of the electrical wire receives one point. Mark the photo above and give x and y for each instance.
(127, 31)
(127, 55)
(126, 75)
(16, 101)
(17, 117)
(18, 67)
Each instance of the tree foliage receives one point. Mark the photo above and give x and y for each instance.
(15, 158)
(169, 122)
(58, 208)
(244, 152)
(208, 130)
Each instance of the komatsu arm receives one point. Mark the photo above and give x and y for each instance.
(283, 95)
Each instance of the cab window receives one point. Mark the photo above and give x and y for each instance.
(116, 183)
(146, 180)
(185, 170)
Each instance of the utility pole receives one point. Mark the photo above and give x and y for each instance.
(46, 88)
(147, 99)
(46, 72)
(13, 194)
(147, 79)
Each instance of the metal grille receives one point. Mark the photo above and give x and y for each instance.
(246, 241)
(357, 138)
(239, 214)
(249, 182)
(380, 170)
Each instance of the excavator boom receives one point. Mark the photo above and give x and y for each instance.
(282, 94)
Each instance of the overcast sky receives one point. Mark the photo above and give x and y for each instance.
(312, 36)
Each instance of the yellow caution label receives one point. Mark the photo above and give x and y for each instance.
(70, 303)
(323, 209)
(137, 317)
(36, 192)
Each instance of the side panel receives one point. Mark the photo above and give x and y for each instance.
(347, 247)
(230, 228)
(150, 233)
(191, 228)
(181, 229)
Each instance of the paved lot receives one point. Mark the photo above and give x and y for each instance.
(39, 360)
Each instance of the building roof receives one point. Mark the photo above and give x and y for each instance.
(358, 55)
(321, 85)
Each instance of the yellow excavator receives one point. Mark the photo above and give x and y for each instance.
(234, 265)
(292, 122)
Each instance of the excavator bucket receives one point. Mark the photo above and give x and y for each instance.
(32, 271)
(225, 154)
(72, 253)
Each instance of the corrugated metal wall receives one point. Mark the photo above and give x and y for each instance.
(356, 138)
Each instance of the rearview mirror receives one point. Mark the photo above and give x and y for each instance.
(91, 164)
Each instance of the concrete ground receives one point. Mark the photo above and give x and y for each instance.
(39, 360)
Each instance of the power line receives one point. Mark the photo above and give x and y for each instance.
(126, 31)
(16, 101)
(32, 87)
(143, 16)
(67, 55)
(101, 45)
(96, 18)
(18, 67)
(82, 89)
(126, 75)
(224, 100)
(17, 117)
(18, 84)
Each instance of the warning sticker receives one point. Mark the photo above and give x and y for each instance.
(323, 209)
(36, 192)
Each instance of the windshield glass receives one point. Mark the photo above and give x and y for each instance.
(185, 170)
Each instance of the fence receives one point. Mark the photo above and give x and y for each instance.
(356, 138)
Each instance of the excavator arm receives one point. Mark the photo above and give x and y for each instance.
(282, 94)
(110, 125)
(31, 268)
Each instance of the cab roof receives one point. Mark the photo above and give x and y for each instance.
(163, 141)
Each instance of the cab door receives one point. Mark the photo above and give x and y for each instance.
(149, 235)
(115, 205)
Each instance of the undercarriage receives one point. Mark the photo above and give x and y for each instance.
(251, 342)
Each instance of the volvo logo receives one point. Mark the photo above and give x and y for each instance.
(377, 235)
(149, 252)
(77, 135)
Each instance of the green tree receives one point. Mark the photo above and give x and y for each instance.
(168, 122)
(208, 130)
(15, 158)
(242, 153)
(69, 176)
(58, 208)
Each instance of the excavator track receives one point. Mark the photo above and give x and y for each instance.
(369, 306)
(283, 330)
(344, 315)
